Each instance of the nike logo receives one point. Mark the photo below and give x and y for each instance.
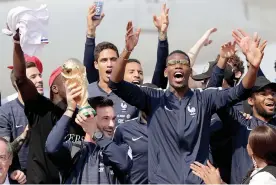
(167, 108)
(248, 128)
(18, 126)
(135, 139)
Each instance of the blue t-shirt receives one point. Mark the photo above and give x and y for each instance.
(12, 124)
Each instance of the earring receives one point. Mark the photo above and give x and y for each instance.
(166, 76)
(254, 163)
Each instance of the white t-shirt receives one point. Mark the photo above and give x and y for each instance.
(262, 178)
(7, 180)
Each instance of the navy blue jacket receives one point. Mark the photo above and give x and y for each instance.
(116, 156)
(221, 146)
(88, 60)
(178, 129)
(240, 130)
(236, 128)
(134, 133)
(221, 138)
(158, 77)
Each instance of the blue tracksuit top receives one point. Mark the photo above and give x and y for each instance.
(134, 134)
(240, 130)
(178, 130)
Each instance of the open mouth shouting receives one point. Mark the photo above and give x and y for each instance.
(136, 82)
(108, 72)
(178, 76)
(270, 105)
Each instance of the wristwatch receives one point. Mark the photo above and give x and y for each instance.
(97, 136)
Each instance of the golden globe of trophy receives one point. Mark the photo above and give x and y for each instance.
(73, 71)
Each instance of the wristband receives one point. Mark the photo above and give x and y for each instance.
(70, 109)
(16, 41)
(88, 107)
(91, 36)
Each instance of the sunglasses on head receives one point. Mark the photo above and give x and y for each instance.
(183, 62)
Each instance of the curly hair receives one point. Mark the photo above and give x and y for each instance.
(236, 62)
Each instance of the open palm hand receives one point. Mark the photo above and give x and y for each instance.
(162, 22)
(228, 50)
(250, 47)
(206, 37)
(209, 174)
(132, 37)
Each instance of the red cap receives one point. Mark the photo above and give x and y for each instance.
(33, 59)
(54, 75)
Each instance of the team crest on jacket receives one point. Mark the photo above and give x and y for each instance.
(123, 106)
(191, 110)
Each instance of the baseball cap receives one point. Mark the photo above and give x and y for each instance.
(261, 83)
(34, 60)
(229, 75)
(207, 73)
(54, 75)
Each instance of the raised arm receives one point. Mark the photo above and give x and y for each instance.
(25, 86)
(227, 50)
(134, 95)
(254, 54)
(203, 41)
(131, 39)
(161, 22)
(20, 140)
(88, 60)
(253, 51)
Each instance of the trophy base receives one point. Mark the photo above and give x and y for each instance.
(86, 111)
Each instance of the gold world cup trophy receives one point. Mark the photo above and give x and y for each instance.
(73, 71)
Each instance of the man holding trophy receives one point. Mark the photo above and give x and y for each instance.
(74, 73)
(99, 160)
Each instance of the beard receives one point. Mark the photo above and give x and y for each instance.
(262, 112)
(180, 86)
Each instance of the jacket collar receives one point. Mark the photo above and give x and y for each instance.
(170, 95)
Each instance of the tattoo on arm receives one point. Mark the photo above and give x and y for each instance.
(7, 138)
(18, 143)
